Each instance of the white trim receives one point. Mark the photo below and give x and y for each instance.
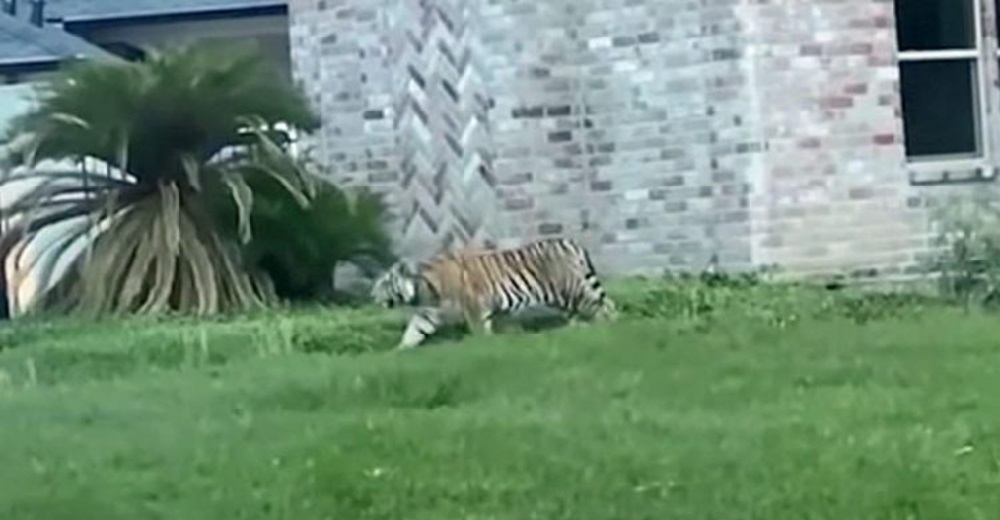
(940, 55)
(982, 85)
(931, 163)
(963, 171)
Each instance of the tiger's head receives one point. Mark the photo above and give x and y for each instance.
(396, 286)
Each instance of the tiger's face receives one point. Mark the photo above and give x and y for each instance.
(396, 286)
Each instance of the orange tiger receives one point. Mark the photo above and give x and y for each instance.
(478, 284)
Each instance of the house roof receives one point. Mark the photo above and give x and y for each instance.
(23, 45)
(93, 10)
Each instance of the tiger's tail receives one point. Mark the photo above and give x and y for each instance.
(607, 310)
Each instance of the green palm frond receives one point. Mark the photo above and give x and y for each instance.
(178, 129)
(336, 226)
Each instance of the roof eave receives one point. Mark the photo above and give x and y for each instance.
(38, 64)
(29, 65)
(77, 23)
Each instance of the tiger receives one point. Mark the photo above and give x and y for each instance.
(479, 284)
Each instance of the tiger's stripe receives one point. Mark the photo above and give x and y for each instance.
(479, 284)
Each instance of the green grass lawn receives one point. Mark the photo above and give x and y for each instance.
(721, 406)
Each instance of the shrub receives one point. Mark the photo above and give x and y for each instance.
(967, 261)
(299, 246)
(701, 300)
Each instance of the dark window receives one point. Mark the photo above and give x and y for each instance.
(924, 25)
(939, 108)
(939, 81)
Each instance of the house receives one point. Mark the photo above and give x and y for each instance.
(126, 27)
(30, 51)
(812, 134)
(36, 36)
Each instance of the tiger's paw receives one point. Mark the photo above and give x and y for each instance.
(405, 345)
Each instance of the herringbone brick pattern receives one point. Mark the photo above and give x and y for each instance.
(441, 124)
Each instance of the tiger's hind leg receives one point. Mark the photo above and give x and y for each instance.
(607, 311)
(486, 323)
(480, 321)
(422, 324)
(600, 308)
(477, 313)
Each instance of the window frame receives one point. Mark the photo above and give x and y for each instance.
(980, 54)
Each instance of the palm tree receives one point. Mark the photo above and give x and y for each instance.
(170, 132)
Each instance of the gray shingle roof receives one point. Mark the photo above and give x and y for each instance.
(70, 10)
(21, 42)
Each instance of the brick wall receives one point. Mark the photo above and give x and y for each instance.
(833, 193)
(657, 132)
(623, 124)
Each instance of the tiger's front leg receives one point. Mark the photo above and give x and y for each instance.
(422, 324)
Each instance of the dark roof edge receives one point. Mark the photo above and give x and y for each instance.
(32, 64)
(29, 65)
(83, 23)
